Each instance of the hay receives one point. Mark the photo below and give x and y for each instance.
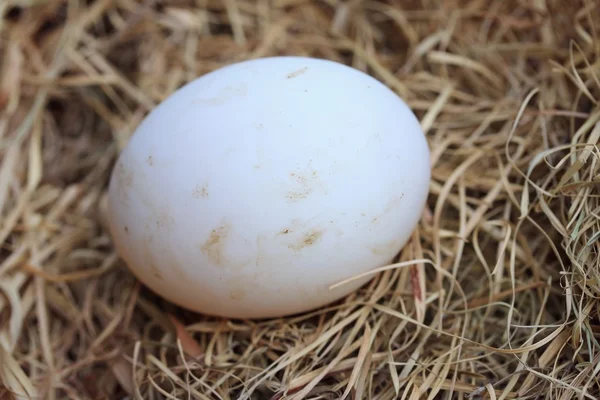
(496, 296)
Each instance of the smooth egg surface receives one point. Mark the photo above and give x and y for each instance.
(251, 190)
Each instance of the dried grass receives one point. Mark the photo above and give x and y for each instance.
(495, 297)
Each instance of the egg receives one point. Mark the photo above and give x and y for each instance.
(251, 190)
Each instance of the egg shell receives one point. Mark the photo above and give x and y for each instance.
(252, 189)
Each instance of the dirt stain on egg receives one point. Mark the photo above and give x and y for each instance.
(305, 182)
(124, 175)
(297, 73)
(214, 245)
(164, 219)
(226, 94)
(124, 180)
(309, 239)
(390, 206)
(200, 192)
(152, 264)
(294, 196)
(260, 254)
(385, 248)
(237, 293)
(155, 272)
(393, 203)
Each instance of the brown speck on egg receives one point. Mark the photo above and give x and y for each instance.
(385, 248)
(213, 246)
(309, 239)
(224, 96)
(237, 293)
(200, 191)
(297, 73)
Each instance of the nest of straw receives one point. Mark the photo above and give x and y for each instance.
(506, 303)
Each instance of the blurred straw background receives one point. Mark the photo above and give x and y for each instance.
(505, 307)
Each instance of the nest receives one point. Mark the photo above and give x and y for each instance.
(495, 296)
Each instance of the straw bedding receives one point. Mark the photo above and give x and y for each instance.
(495, 296)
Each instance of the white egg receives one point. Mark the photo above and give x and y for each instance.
(254, 188)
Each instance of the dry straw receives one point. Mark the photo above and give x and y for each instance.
(496, 295)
